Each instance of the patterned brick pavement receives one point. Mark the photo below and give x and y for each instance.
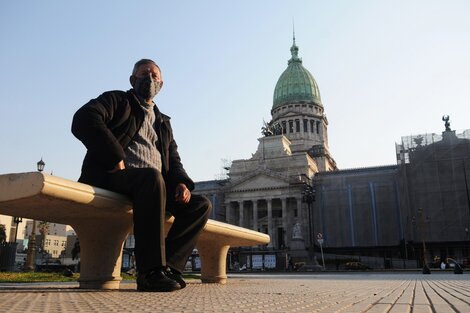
(358, 292)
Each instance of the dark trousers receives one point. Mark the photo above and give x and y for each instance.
(147, 190)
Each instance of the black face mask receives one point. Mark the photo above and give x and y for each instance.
(147, 87)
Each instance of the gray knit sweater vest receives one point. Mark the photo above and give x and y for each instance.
(142, 152)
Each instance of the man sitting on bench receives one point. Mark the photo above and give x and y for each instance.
(131, 150)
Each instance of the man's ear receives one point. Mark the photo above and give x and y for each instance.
(132, 80)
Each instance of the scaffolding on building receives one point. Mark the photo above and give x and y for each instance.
(410, 143)
(224, 169)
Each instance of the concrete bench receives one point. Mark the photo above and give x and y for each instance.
(102, 220)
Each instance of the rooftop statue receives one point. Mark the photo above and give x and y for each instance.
(271, 129)
(445, 118)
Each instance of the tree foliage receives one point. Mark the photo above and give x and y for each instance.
(43, 228)
(3, 234)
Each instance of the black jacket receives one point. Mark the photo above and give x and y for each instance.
(106, 126)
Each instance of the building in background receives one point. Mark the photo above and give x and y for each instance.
(387, 216)
(52, 229)
(52, 247)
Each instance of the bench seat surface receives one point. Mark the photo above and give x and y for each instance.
(38, 195)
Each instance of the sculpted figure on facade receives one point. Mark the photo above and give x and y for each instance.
(297, 231)
(445, 118)
(271, 129)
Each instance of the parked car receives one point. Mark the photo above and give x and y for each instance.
(448, 264)
(355, 266)
(453, 263)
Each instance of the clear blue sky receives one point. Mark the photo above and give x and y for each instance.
(385, 69)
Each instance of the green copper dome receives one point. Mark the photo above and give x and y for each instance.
(296, 83)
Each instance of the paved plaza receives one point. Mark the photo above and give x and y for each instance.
(316, 292)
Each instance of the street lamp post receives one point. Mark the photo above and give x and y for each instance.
(308, 196)
(30, 264)
(423, 221)
(41, 165)
(16, 220)
(320, 242)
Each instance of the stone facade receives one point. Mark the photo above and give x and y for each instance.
(264, 193)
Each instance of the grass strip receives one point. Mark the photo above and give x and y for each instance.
(35, 277)
(39, 277)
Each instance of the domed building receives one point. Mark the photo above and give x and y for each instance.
(266, 192)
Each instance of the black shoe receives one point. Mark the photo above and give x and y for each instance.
(156, 280)
(176, 276)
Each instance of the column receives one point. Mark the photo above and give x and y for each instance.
(284, 219)
(214, 201)
(255, 215)
(270, 220)
(227, 212)
(302, 218)
(241, 214)
(289, 224)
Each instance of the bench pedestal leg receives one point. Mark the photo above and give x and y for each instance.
(101, 252)
(213, 262)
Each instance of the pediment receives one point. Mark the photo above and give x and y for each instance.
(259, 181)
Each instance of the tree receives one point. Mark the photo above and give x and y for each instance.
(3, 234)
(76, 250)
(43, 228)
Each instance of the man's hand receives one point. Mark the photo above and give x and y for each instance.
(182, 193)
(119, 167)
